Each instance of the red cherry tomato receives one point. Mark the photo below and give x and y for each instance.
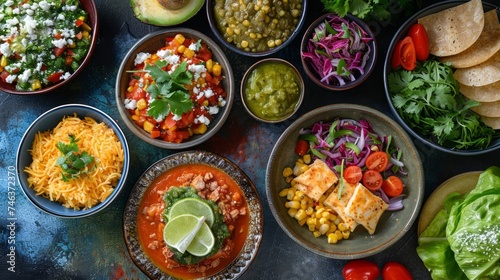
(377, 161)
(302, 147)
(392, 186)
(353, 174)
(420, 40)
(360, 270)
(372, 180)
(395, 271)
(408, 56)
(396, 57)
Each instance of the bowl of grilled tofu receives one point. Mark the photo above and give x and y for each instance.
(345, 181)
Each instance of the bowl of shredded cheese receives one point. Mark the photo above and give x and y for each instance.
(72, 161)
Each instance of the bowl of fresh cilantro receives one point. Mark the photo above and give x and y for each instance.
(423, 93)
(175, 88)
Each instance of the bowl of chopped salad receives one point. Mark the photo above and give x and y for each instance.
(422, 80)
(49, 43)
(338, 53)
(345, 181)
(175, 88)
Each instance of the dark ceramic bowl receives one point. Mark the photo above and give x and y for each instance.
(400, 34)
(90, 7)
(48, 121)
(368, 67)
(150, 44)
(249, 73)
(252, 242)
(392, 226)
(214, 26)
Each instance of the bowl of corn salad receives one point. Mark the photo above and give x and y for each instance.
(308, 217)
(44, 44)
(175, 88)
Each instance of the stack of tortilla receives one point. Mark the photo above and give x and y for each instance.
(469, 39)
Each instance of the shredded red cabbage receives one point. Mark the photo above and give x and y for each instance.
(341, 43)
(350, 142)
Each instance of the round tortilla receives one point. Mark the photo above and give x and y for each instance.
(488, 109)
(453, 30)
(482, 74)
(493, 122)
(485, 46)
(487, 93)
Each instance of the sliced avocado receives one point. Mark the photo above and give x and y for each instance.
(155, 12)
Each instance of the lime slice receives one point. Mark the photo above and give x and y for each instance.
(180, 231)
(203, 242)
(193, 206)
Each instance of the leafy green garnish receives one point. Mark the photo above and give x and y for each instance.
(428, 99)
(366, 9)
(168, 91)
(342, 68)
(329, 28)
(73, 163)
(347, 32)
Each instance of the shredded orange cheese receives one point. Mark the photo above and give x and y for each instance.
(44, 174)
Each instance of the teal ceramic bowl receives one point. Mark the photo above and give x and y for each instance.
(392, 226)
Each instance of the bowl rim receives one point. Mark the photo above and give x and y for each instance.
(371, 63)
(223, 113)
(387, 69)
(247, 75)
(416, 201)
(94, 22)
(220, 38)
(25, 144)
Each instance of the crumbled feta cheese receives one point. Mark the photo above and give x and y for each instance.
(25, 75)
(199, 68)
(177, 118)
(163, 53)
(5, 49)
(11, 78)
(65, 76)
(222, 101)
(59, 43)
(209, 93)
(141, 57)
(193, 47)
(130, 104)
(9, 3)
(44, 5)
(213, 110)
(202, 119)
(173, 59)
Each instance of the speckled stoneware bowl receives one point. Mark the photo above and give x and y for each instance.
(151, 43)
(392, 225)
(239, 265)
(368, 68)
(213, 25)
(48, 121)
(90, 7)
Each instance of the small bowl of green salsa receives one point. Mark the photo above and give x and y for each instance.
(272, 90)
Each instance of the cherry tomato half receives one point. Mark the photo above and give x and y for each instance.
(372, 180)
(395, 271)
(302, 147)
(420, 40)
(353, 174)
(360, 269)
(377, 161)
(392, 186)
(396, 57)
(408, 56)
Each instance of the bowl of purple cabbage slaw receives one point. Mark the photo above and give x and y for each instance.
(393, 224)
(338, 53)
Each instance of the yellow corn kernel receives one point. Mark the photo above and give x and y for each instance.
(142, 104)
(209, 65)
(292, 212)
(148, 126)
(309, 210)
(307, 158)
(85, 34)
(82, 18)
(299, 195)
(271, 43)
(339, 234)
(130, 88)
(229, 31)
(319, 211)
(36, 85)
(137, 112)
(205, 103)
(333, 228)
(180, 38)
(323, 229)
(72, 45)
(188, 53)
(252, 35)
(324, 221)
(299, 168)
(346, 234)
(181, 49)
(326, 215)
(246, 22)
(287, 172)
(200, 129)
(311, 221)
(290, 194)
(244, 44)
(301, 160)
(217, 70)
(289, 179)
(283, 192)
(343, 227)
(311, 227)
(135, 117)
(332, 217)
(292, 204)
(86, 27)
(3, 61)
(316, 233)
(302, 222)
(332, 238)
(301, 214)
(293, 183)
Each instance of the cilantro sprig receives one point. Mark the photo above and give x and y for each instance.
(366, 9)
(73, 163)
(428, 99)
(168, 91)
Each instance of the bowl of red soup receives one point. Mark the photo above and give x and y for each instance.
(175, 88)
(193, 214)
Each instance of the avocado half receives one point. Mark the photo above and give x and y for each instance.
(155, 12)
